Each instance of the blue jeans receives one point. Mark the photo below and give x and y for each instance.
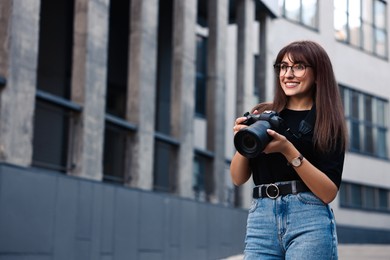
(291, 227)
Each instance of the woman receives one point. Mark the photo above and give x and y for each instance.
(299, 172)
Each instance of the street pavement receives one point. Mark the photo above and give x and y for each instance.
(353, 252)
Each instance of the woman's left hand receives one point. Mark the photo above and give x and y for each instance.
(317, 181)
(279, 144)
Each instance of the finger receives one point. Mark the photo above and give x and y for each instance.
(239, 120)
(275, 135)
(238, 127)
(272, 133)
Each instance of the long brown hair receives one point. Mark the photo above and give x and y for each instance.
(329, 129)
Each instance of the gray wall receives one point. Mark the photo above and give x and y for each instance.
(46, 215)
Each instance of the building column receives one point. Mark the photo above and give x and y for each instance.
(216, 119)
(19, 33)
(141, 105)
(89, 75)
(183, 90)
(245, 19)
(262, 72)
(244, 93)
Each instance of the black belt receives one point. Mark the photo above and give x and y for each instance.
(275, 190)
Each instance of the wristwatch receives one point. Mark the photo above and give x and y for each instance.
(296, 162)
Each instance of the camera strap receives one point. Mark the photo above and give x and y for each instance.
(306, 125)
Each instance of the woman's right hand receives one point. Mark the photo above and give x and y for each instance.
(238, 123)
(239, 166)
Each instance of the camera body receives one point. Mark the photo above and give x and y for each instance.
(252, 140)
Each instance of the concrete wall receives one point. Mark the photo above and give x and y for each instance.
(51, 216)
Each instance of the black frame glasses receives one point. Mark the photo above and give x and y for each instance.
(297, 69)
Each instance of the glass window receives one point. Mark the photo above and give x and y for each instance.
(369, 198)
(356, 196)
(369, 135)
(364, 197)
(380, 14)
(304, 12)
(341, 20)
(51, 136)
(383, 199)
(199, 187)
(118, 49)
(292, 10)
(309, 13)
(362, 23)
(354, 22)
(165, 147)
(116, 137)
(54, 110)
(164, 68)
(355, 125)
(381, 42)
(201, 75)
(368, 40)
(343, 194)
(366, 120)
(163, 171)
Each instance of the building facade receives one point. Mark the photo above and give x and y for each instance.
(139, 97)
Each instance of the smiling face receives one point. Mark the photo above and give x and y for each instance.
(297, 89)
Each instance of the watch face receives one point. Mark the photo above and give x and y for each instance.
(296, 162)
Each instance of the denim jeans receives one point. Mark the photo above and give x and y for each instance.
(292, 227)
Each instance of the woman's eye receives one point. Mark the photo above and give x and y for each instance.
(283, 67)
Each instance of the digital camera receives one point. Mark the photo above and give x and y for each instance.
(251, 141)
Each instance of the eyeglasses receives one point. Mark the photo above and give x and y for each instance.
(298, 70)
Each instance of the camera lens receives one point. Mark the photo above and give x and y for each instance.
(249, 142)
(252, 140)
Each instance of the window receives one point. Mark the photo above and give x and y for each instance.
(114, 154)
(256, 72)
(164, 68)
(200, 164)
(364, 197)
(3, 81)
(362, 23)
(201, 60)
(201, 183)
(54, 111)
(367, 121)
(356, 197)
(383, 199)
(165, 152)
(117, 129)
(201, 75)
(165, 146)
(304, 12)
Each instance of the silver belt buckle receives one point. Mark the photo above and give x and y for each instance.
(274, 189)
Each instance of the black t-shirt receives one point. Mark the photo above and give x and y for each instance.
(271, 168)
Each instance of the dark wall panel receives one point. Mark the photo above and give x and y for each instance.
(65, 223)
(27, 210)
(45, 215)
(126, 224)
